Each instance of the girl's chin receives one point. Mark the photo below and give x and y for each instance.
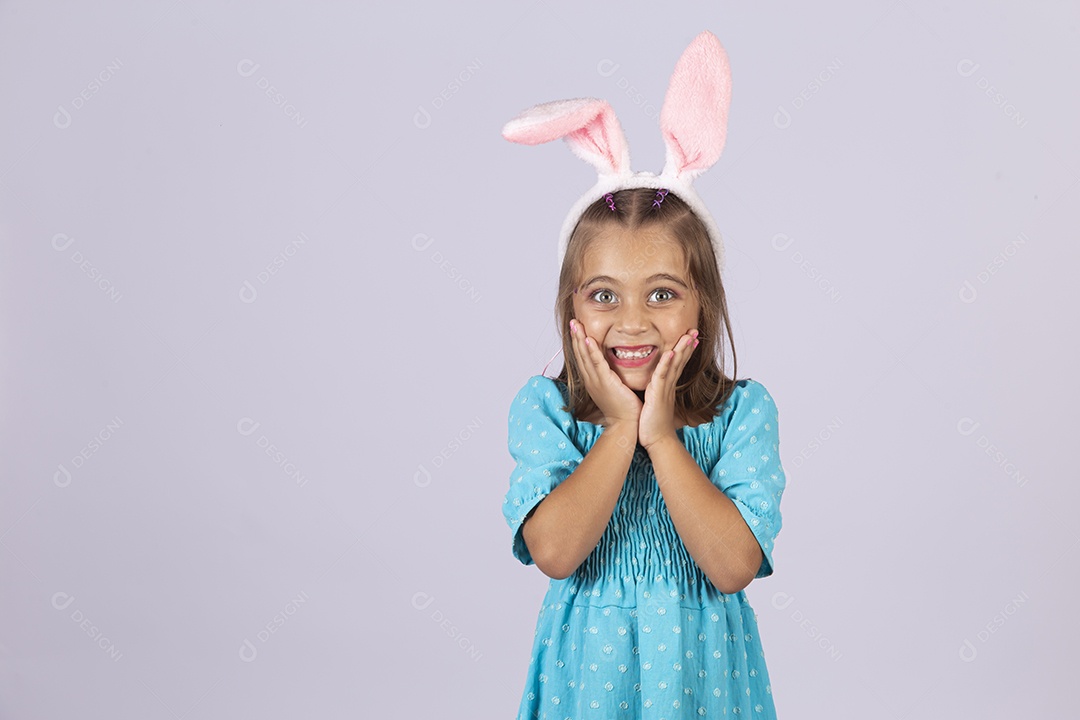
(634, 378)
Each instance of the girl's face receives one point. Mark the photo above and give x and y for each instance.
(635, 296)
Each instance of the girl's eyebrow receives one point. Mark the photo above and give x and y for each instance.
(612, 281)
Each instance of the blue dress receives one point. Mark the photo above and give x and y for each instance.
(638, 630)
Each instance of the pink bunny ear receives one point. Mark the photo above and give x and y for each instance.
(588, 125)
(694, 117)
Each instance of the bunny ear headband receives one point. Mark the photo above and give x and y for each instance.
(693, 122)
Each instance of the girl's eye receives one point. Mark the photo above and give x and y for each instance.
(606, 297)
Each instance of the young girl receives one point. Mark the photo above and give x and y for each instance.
(648, 482)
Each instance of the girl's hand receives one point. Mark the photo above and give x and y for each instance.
(657, 420)
(615, 400)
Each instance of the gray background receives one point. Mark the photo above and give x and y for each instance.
(271, 278)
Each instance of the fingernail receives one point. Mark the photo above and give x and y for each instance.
(696, 343)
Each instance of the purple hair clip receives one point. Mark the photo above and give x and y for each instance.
(610, 202)
(660, 195)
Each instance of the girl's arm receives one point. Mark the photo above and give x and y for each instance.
(711, 527)
(565, 527)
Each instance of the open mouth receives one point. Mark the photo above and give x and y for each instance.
(632, 356)
(635, 353)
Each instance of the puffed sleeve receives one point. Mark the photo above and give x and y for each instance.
(540, 443)
(749, 470)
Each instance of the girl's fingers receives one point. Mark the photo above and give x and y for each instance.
(600, 380)
(662, 366)
(687, 350)
(683, 350)
(592, 353)
(595, 355)
(579, 353)
(673, 361)
(674, 358)
(586, 359)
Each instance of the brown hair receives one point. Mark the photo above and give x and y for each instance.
(703, 386)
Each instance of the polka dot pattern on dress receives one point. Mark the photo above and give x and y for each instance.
(638, 631)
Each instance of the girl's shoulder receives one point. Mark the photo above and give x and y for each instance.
(749, 391)
(544, 386)
(541, 392)
(748, 405)
(725, 408)
(747, 396)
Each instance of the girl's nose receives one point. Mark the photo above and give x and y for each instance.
(632, 318)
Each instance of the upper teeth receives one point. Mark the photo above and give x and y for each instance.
(632, 354)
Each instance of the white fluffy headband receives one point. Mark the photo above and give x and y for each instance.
(693, 122)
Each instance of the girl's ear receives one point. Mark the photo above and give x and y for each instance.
(588, 126)
(694, 117)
